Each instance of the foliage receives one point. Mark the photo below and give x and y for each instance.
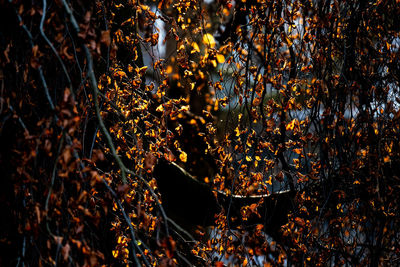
(251, 97)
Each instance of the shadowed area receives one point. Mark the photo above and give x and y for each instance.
(190, 202)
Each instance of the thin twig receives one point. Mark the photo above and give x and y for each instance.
(19, 119)
(40, 69)
(181, 229)
(53, 48)
(53, 175)
(93, 84)
(128, 221)
(155, 197)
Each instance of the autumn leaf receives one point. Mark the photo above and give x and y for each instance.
(208, 39)
(220, 58)
(195, 47)
(291, 125)
(183, 156)
(105, 38)
(295, 114)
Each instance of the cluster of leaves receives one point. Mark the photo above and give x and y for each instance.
(316, 86)
(94, 94)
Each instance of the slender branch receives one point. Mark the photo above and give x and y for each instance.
(129, 222)
(40, 69)
(95, 91)
(53, 175)
(93, 84)
(19, 119)
(155, 197)
(53, 48)
(181, 229)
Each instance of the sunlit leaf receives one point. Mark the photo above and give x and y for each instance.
(183, 156)
(220, 58)
(208, 39)
(195, 47)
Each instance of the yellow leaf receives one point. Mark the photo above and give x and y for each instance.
(184, 108)
(208, 39)
(195, 48)
(237, 131)
(292, 124)
(188, 73)
(179, 129)
(141, 70)
(248, 143)
(288, 41)
(183, 156)
(144, 7)
(160, 108)
(220, 58)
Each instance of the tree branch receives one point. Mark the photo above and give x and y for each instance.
(191, 202)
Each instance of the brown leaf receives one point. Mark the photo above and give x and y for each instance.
(122, 189)
(65, 251)
(105, 38)
(149, 162)
(58, 239)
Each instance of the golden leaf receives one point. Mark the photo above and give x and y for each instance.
(160, 108)
(292, 124)
(183, 156)
(220, 58)
(208, 39)
(195, 48)
(237, 131)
